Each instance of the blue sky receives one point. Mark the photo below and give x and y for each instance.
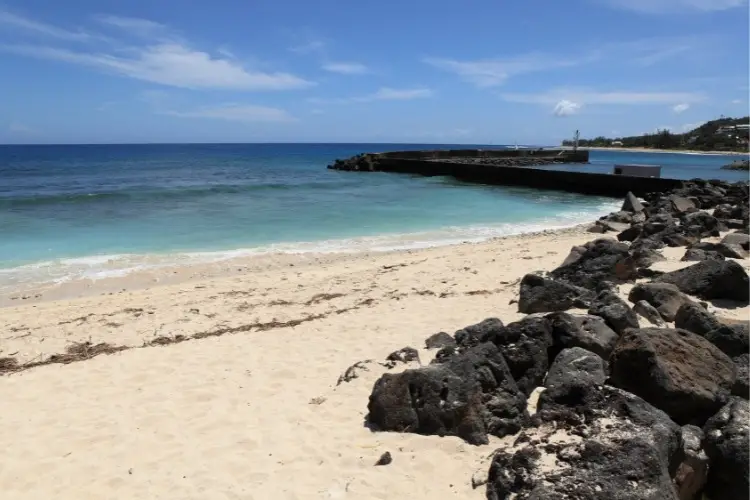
(438, 71)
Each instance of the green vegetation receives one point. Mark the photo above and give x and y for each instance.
(724, 134)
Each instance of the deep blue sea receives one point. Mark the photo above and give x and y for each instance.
(104, 210)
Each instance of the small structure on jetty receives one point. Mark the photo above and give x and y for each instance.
(508, 167)
(638, 170)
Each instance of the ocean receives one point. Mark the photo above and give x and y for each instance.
(97, 211)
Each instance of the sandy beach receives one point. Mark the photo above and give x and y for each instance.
(676, 151)
(249, 407)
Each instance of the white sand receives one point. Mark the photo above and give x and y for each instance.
(252, 414)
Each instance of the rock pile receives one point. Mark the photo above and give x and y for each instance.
(630, 408)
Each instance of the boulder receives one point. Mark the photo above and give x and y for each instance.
(649, 312)
(675, 370)
(403, 355)
(574, 255)
(525, 345)
(631, 233)
(603, 260)
(692, 472)
(588, 332)
(732, 340)
(646, 257)
(470, 395)
(738, 243)
(622, 216)
(702, 223)
(540, 294)
(438, 340)
(711, 279)
(665, 297)
(681, 204)
(631, 203)
(616, 312)
(726, 444)
(623, 449)
(694, 318)
(741, 386)
(697, 255)
(472, 335)
(574, 368)
(731, 251)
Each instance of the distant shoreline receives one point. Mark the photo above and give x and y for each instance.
(676, 151)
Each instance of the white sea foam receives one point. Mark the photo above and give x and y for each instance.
(97, 267)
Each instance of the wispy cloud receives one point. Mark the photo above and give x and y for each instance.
(25, 24)
(20, 128)
(346, 68)
(681, 108)
(566, 108)
(382, 94)
(170, 64)
(134, 26)
(238, 113)
(585, 97)
(309, 47)
(643, 52)
(494, 72)
(675, 6)
(161, 58)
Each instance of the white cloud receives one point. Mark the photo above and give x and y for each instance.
(676, 6)
(382, 94)
(584, 97)
(170, 64)
(309, 47)
(680, 108)
(566, 108)
(737, 101)
(133, 25)
(346, 68)
(494, 72)
(20, 128)
(39, 28)
(239, 113)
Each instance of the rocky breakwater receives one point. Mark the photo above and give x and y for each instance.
(738, 165)
(598, 393)
(367, 162)
(519, 161)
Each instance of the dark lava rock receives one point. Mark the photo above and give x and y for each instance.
(665, 297)
(616, 312)
(731, 251)
(472, 335)
(627, 452)
(603, 260)
(631, 203)
(649, 312)
(741, 386)
(732, 340)
(726, 445)
(574, 255)
(540, 294)
(631, 233)
(693, 471)
(438, 340)
(589, 332)
(470, 395)
(525, 345)
(677, 371)
(702, 223)
(646, 257)
(385, 459)
(738, 244)
(680, 204)
(694, 318)
(573, 368)
(697, 255)
(712, 279)
(403, 355)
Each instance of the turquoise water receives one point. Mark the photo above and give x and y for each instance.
(95, 211)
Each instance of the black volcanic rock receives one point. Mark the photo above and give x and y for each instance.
(588, 332)
(694, 318)
(603, 260)
(665, 297)
(540, 294)
(711, 280)
(616, 312)
(726, 444)
(470, 395)
(677, 371)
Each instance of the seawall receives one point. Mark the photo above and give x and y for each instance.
(507, 168)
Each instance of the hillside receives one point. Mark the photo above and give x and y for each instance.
(724, 134)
